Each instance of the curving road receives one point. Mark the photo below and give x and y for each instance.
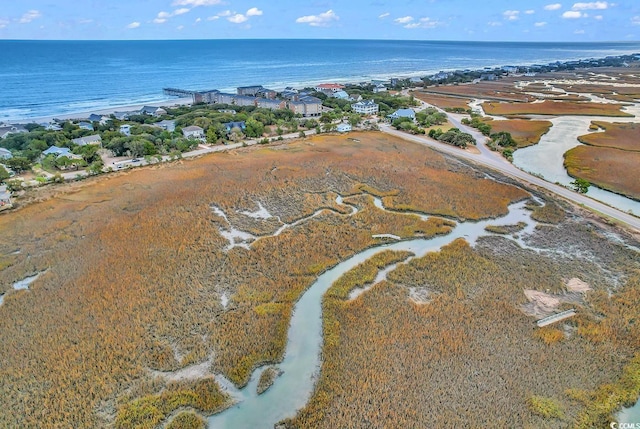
(492, 160)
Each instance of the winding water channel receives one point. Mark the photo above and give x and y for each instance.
(301, 365)
(547, 157)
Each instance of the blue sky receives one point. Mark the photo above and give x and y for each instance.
(515, 20)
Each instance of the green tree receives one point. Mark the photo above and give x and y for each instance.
(4, 174)
(354, 119)
(254, 128)
(18, 164)
(503, 139)
(581, 185)
(236, 134)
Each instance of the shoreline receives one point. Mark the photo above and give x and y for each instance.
(551, 67)
(110, 110)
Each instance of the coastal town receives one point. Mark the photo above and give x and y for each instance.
(58, 150)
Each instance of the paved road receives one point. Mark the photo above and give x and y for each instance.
(491, 159)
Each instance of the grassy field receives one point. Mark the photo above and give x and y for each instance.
(618, 93)
(442, 101)
(503, 89)
(524, 132)
(554, 108)
(617, 135)
(134, 266)
(608, 168)
(466, 355)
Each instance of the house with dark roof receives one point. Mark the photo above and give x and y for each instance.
(270, 104)
(244, 100)
(368, 107)
(306, 106)
(267, 93)
(123, 116)
(7, 130)
(249, 90)
(152, 110)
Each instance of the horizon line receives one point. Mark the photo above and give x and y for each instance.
(322, 39)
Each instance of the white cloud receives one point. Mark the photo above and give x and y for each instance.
(494, 24)
(134, 24)
(196, 3)
(179, 27)
(530, 12)
(578, 32)
(3, 23)
(423, 23)
(540, 24)
(598, 17)
(164, 16)
(322, 20)
(597, 5)
(30, 16)
(403, 20)
(511, 15)
(573, 14)
(384, 15)
(554, 6)
(635, 20)
(238, 18)
(198, 20)
(213, 18)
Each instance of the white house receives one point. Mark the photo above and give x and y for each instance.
(193, 132)
(403, 113)
(379, 88)
(125, 129)
(343, 128)
(367, 107)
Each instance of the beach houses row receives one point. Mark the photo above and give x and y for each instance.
(302, 104)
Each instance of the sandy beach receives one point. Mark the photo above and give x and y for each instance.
(172, 102)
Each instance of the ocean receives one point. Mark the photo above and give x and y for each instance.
(48, 78)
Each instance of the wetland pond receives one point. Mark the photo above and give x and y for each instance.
(301, 365)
